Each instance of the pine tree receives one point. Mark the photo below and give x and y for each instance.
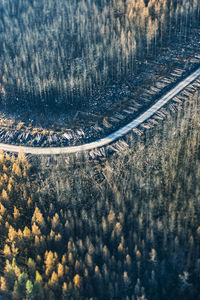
(38, 289)
(16, 170)
(31, 266)
(16, 213)
(2, 209)
(4, 195)
(60, 270)
(27, 233)
(7, 251)
(12, 234)
(36, 229)
(19, 291)
(50, 261)
(29, 289)
(55, 221)
(77, 281)
(3, 286)
(53, 282)
(38, 218)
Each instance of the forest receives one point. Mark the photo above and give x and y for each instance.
(121, 221)
(126, 227)
(57, 54)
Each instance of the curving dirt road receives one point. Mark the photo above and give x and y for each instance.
(113, 136)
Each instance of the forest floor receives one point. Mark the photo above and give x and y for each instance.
(120, 102)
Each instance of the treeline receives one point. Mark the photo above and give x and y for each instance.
(124, 229)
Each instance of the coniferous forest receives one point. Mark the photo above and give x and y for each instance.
(57, 54)
(121, 221)
(127, 228)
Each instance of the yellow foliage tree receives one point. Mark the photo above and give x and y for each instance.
(3, 286)
(16, 213)
(27, 232)
(35, 229)
(2, 209)
(60, 270)
(7, 251)
(16, 170)
(54, 279)
(12, 234)
(38, 217)
(4, 195)
(50, 260)
(77, 281)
